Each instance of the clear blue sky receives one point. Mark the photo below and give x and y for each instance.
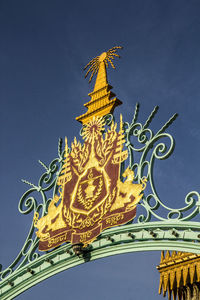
(44, 46)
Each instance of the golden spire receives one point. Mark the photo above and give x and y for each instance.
(102, 101)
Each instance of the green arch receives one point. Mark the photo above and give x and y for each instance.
(179, 236)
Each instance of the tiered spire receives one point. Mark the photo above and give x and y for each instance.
(103, 101)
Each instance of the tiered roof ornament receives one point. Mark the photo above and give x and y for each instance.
(103, 101)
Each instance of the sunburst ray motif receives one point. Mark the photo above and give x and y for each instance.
(94, 127)
(106, 57)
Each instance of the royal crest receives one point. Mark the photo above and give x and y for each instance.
(92, 196)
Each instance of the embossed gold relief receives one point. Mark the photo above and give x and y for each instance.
(128, 189)
(92, 196)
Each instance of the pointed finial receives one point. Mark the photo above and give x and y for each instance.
(162, 256)
(103, 101)
(121, 122)
(66, 147)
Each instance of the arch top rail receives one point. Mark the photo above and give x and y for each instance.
(126, 239)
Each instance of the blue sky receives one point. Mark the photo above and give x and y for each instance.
(44, 47)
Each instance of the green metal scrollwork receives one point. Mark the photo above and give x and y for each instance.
(150, 147)
(28, 203)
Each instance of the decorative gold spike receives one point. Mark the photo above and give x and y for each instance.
(172, 279)
(166, 278)
(185, 274)
(192, 272)
(102, 101)
(178, 277)
(198, 271)
(167, 256)
(174, 294)
(169, 293)
(162, 256)
(174, 254)
(66, 147)
(161, 284)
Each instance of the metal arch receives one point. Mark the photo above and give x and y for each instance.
(124, 239)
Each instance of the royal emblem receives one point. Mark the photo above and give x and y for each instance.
(91, 196)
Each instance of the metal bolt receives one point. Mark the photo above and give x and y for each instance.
(69, 252)
(110, 239)
(49, 261)
(198, 236)
(30, 271)
(175, 233)
(11, 283)
(153, 234)
(131, 235)
(78, 249)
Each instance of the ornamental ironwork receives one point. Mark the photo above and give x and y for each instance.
(95, 186)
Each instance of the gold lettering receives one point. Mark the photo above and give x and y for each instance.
(57, 239)
(85, 236)
(114, 219)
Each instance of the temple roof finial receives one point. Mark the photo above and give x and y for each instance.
(102, 101)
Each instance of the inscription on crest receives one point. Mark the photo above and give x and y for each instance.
(92, 196)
